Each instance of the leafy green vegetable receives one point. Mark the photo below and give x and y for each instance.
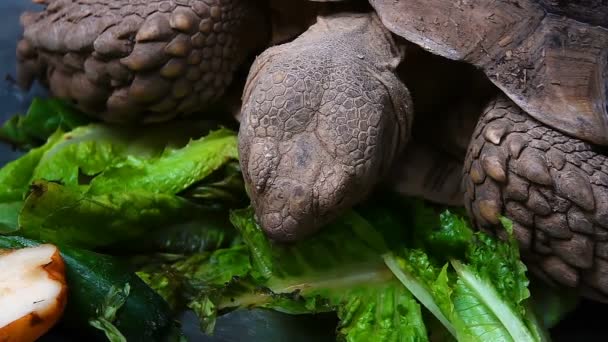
(214, 269)
(482, 309)
(166, 283)
(81, 156)
(416, 224)
(16, 176)
(54, 212)
(383, 313)
(321, 274)
(43, 118)
(207, 231)
(186, 278)
(429, 285)
(348, 268)
(174, 170)
(100, 185)
(483, 297)
(496, 277)
(454, 236)
(9, 216)
(113, 158)
(107, 313)
(224, 189)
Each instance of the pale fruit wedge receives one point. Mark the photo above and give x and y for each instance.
(33, 292)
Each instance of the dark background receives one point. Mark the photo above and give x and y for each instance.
(587, 323)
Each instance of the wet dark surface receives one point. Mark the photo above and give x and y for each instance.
(11, 99)
(587, 323)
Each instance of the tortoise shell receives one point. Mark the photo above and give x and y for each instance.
(550, 57)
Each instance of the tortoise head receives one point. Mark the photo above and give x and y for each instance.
(322, 119)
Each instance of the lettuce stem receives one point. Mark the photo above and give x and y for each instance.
(516, 328)
(419, 291)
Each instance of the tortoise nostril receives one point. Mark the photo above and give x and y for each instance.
(299, 196)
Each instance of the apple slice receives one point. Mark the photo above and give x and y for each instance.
(33, 292)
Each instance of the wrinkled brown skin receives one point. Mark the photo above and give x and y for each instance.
(289, 19)
(323, 118)
(423, 170)
(145, 61)
(446, 115)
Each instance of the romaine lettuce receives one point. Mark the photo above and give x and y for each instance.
(43, 118)
(375, 290)
(98, 185)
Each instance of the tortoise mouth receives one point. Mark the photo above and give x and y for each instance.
(286, 192)
(282, 228)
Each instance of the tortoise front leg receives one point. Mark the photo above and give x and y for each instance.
(139, 61)
(553, 187)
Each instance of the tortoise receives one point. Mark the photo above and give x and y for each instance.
(326, 114)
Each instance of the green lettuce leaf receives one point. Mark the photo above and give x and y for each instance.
(43, 118)
(9, 216)
(165, 283)
(320, 274)
(16, 175)
(83, 155)
(483, 296)
(206, 231)
(89, 155)
(382, 313)
(430, 285)
(115, 299)
(478, 290)
(55, 213)
(183, 280)
(222, 190)
(414, 223)
(174, 170)
(217, 268)
(98, 185)
(484, 312)
(15, 178)
(493, 289)
(493, 283)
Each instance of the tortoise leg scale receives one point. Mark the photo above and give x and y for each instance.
(553, 187)
(139, 61)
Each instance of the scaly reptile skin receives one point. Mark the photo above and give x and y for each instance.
(323, 118)
(138, 61)
(554, 188)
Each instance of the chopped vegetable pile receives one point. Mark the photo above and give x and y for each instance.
(152, 222)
